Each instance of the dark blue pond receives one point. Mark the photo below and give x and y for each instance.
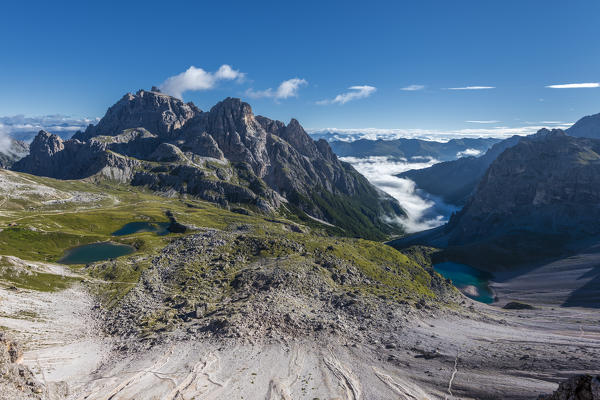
(93, 252)
(472, 282)
(160, 228)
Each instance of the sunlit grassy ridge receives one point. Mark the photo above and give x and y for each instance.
(34, 230)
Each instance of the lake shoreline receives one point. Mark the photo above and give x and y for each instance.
(89, 253)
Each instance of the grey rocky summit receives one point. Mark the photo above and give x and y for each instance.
(226, 155)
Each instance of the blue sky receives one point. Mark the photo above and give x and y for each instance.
(77, 59)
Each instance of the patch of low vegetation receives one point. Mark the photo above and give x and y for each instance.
(32, 244)
(33, 280)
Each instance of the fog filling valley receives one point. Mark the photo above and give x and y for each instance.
(423, 211)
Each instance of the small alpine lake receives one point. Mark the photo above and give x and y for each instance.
(472, 282)
(93, 252)
(160, 228)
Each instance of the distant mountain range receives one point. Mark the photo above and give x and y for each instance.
(413, 148)
(226, 155)
(454, 181)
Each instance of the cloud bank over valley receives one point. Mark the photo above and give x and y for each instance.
(423, 211)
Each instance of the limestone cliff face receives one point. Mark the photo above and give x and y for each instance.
(548, 183)
(50, 156)
(226, 155)
(154, 111)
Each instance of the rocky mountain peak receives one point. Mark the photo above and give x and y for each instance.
(155, 111)
(232, 115)
(225, 155)
(238, 134)
(46, 143)
(546, 133)
(233, 106)
(588, 126)
(295, 135)
(270, 125)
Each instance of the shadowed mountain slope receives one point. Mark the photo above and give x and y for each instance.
(454, 181)
(535, 198)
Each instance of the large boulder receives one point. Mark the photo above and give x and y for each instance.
(16, 380)
(580, 387)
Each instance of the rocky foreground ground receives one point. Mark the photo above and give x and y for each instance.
(285, 329)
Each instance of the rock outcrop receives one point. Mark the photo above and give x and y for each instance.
(16, 380)
(50, 156)
(226, 155)
(580, 387)
(154, 111)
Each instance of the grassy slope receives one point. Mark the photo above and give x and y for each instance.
(43, 232)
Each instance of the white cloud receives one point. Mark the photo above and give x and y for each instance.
(575, 85)
(5, 141)
(422, 212)
(483, 122)
(286, 89)
(226, 72)
(289, 88)
(468, 153)
(357, 92)
(350, 135)
(472, 88)
(25, 128)
(198, 79)
(413, 88)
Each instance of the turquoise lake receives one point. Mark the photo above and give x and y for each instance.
(95, 252)
(471, 282)
(160, 228)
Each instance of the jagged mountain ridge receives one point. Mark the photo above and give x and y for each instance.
(226, 155)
